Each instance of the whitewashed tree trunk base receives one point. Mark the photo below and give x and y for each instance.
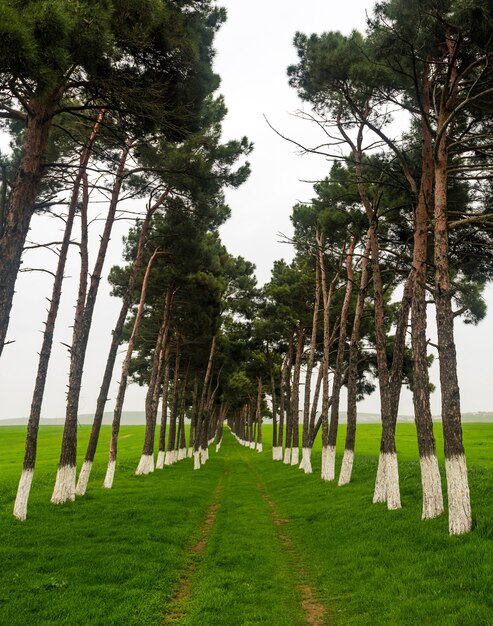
(432, 487)
(83, 479)
(190, 452)
(146, 465)
(259, 447)
(306, 461)
(380, 492)
(64, 485)
(331, 463)
(167, 458)
(218, 446)
(252, 445)
(393, 489)
(23, 490)
(459, 503)
(277, 453)
(346, 468)
(295, 456)
(160, 459)
(196, 460)
(325, 463)
(287, 456)
(110, 475)
(182, 454)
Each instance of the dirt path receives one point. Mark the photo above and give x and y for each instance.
(315, 611)
(177, 607)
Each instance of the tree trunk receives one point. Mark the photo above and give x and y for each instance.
(459, 504)
(171, 447)
(324, 417)
(122, 388)
(306, 464)
(276, 456)
(22, 201)
(199, 453)
(164, 411)
(146, 463)
(20, 508)
(65, 483)
(259, 415)
(193, 416)
(430, 472)
(348, 459)
(115, 343)
(295, 398)
(338, 371)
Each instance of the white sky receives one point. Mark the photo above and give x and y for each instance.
(254, 49)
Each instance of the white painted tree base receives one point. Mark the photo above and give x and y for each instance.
(346, 468)
(64, 485)
(295, 456)
(324, 474)
(252, 445)
(287, 456)
(277, 453)
(387, 481)
(23, 490)
(82, 481)
(204, 455)
(196, 460)
(160, 460)
(146, 465)
(167, 458)
(190, 452)
(306, 461)
(331, 463)
(259, 447)
(110, 475)
(432, 487)
(218, 446)
(182, 454)
(459, 503)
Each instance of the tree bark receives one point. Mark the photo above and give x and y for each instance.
(307, 443)
(259, 414)
(115, 343)
(164, 411)
(146, 463)
(338, 370)
(20, 508)
(460, 515)
(65, 483)
(348, 459)
(122, 388)
(22, 200)
(171, 447)
(430, 473)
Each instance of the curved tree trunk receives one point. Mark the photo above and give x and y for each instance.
(22, 200)
(122, 388)
(20, 507)
(115, 342)
(65, 482)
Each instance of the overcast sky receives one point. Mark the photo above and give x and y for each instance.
(254, 49)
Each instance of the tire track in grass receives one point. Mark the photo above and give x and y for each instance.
(176, 610)
(315, 612)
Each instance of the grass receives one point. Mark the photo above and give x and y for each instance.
(116, 557)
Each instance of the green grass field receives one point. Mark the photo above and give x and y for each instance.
(127, 556)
